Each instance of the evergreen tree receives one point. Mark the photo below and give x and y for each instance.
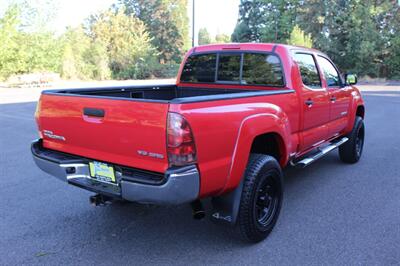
(167, 23)
(204, 37)
(251, 21)
(265, 21)
(360, 36)
(242, 33)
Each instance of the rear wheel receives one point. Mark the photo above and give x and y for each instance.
(351, 151)
(261, 198)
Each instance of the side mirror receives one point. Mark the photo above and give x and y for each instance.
(351, 79)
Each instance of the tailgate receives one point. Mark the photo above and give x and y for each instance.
(123, 132)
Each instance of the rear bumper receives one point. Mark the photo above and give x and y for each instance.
(177, 185)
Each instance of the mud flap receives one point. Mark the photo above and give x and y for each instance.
(225, 208)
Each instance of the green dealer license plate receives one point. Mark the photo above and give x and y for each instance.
(102, 172)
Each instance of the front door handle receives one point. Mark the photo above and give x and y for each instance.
(309, 102)
(333, 99)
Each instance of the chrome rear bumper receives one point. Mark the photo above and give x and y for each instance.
(179, 185)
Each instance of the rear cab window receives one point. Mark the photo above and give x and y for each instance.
(200, 68)
(241, 68)
(229, 68)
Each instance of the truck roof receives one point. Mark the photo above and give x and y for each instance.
(247, 46)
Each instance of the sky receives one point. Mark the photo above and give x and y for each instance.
(218, 16)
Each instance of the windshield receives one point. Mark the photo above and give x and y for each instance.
(234, 68)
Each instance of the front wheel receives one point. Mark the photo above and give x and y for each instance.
(351, 151)
(261, 198)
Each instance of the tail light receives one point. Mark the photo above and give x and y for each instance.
(37, 115)
(180, 141)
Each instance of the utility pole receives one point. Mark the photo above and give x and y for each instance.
(193, 20)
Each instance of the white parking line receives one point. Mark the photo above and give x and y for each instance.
(382, 95)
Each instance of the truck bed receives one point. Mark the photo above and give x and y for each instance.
(162, 93)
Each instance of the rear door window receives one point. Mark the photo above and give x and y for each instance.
(308, 70)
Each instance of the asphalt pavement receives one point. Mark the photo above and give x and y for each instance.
(333, 213)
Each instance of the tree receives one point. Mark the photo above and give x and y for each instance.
(360, 36)
(127, 42)
(9, 44)
(298, 37)
(242, 33)
(279, 20)
(76, 44)
(167, 23)
(98, 58)
(204, 37)
(265, 21)
(250, 22)
(23, 51)
(222, 38)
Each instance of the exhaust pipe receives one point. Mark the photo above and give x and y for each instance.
(99, 200)
(198, 210)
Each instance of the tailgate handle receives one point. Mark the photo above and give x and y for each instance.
(93, 112)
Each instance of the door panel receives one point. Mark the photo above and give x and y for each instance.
(340, 102)
(316, 117)
(339, 96)
(315, 103)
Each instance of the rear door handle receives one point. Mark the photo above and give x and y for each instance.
(309, 102)
(333, 99)
(93, 112)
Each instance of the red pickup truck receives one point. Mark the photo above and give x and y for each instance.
(236, 116)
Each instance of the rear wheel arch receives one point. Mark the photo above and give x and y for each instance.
(266, 126)
(270, 143)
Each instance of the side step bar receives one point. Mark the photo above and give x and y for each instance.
(321, 152)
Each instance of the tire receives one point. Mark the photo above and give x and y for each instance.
(258, 211)
(351, 151)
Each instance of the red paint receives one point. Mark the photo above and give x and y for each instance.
(126, 128)
(223, 130)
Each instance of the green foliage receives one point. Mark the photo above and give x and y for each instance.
(25, 52)
(111, 44)
(147, 38)
(242, 33)
(167, 23)
(204, 37)
(222, 38)
(265, 21)
(75, 63)
(360, 36)
(128, 45)
(298, 37)
(9, 44)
